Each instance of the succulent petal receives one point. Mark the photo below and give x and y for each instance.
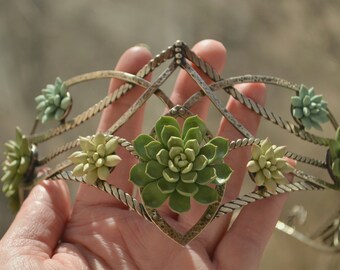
(170, 176)
(193, 144)
(270, 185)
(334, 147)
(175, 141)
(91, 177)
(188, 168)
(296, 101)
(111, 146)
(259, 178)
(78, 170)
(99, 139)
(175, 151)
(187, 189)
(112, 161)
(166, 186)
(179, 203)
(138, 175)
(163, 157)
(209, 151)
(193, 122)
(139, 145)
(152, 149)
(103, 173)
(189, 177)
(206, 176)
(152, 196)
(200, 163)
(265, 144)
(336, 167)
(206, 195)
(279, 151)
(253, 166)
(193, 133)
(167, 133)
(298, 113)
(222, 146)
(154, 169)
(163, 121)
(256, 152)
(172, 166)
(223, 173)
(190, 154)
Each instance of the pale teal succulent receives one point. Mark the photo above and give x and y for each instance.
(15, 166)
(268, 165)
(174, 165)
(310, 109)
(334, 150)
(97, 157)
(54, 102)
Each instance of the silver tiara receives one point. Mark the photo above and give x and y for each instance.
(181, 164)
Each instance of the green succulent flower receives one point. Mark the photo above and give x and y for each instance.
(334, 150)
(97, 158)
(54, 102)
(174, 165)
(268, 165)
(309, 109)
(15, 166)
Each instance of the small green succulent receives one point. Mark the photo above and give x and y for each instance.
(310, 109)
(54, 101)
(97, 157)
(15, 166)
(334, 150)
(174, 165)
(268, 165)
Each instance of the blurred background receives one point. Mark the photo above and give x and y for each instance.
(295, 40)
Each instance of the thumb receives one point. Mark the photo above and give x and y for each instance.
(40, 222)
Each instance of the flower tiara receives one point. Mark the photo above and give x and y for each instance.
(180, 162)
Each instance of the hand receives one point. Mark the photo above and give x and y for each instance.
(98, 232)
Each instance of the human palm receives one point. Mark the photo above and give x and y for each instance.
(98, 232)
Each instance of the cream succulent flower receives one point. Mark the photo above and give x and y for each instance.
(268, 165)
(97, 157)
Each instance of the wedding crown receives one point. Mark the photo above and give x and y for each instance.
(180, 164)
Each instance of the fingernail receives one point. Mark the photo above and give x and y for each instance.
(143, 45)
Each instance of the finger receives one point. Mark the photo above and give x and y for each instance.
(249, 234)
(215, 54)
(236, 159)
(40, 222)
(131, 61)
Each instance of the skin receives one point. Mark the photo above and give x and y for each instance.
(98, 232)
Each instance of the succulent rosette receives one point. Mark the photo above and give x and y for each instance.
(15, 167)
(310, 109)
(174, 165)
(97, 157)
(54, 102)
(334, 151)
(268, 166)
